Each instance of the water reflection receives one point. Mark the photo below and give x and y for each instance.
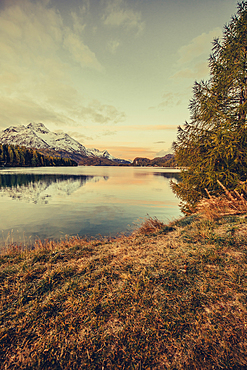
(169, 175)
(43, 203)
(38, 188)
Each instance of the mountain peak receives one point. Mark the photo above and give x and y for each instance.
(14, 128)
(36, 135)
(38, 127)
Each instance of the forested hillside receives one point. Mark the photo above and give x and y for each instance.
(166, 161)
(20, 156)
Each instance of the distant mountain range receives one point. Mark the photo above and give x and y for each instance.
(36, 135)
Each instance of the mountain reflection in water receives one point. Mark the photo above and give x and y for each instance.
(38, 188)
(169, 175)
(50, 203)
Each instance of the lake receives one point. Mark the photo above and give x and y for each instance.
(52, 202)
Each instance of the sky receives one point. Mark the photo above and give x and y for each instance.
(113, 74)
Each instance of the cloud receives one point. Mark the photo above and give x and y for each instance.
(146, 128)
(196, 72)
(162, 153)
(117, 13)
(30, 30)
(128, 152)
(36, 48)
(80, 52)
(78, 136)
(191, 62)
(26, 110)
(198, 46)
(53, 112)
(107, 133)
(101, 113)
(113, 45)
(169, 99)
(78, 24)
(160, 127)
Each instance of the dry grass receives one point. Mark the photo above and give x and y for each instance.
(153, 225)
(231, 203)
(167, 297)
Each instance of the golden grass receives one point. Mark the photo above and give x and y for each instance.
(167, 297)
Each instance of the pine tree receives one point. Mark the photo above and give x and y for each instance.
(16, 152)
(213, 146)
(1, 155)
(10, 156)
(34, 160)
(22, 156)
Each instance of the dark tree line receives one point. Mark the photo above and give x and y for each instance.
(25, 179)
(20, 156)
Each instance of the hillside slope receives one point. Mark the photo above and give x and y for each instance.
(166, 297)
(16, 156)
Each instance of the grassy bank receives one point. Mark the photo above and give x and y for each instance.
(167, 297)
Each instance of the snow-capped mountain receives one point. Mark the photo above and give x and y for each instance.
(98, 153)
(36, 135)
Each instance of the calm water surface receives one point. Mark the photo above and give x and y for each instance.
(41, 203)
